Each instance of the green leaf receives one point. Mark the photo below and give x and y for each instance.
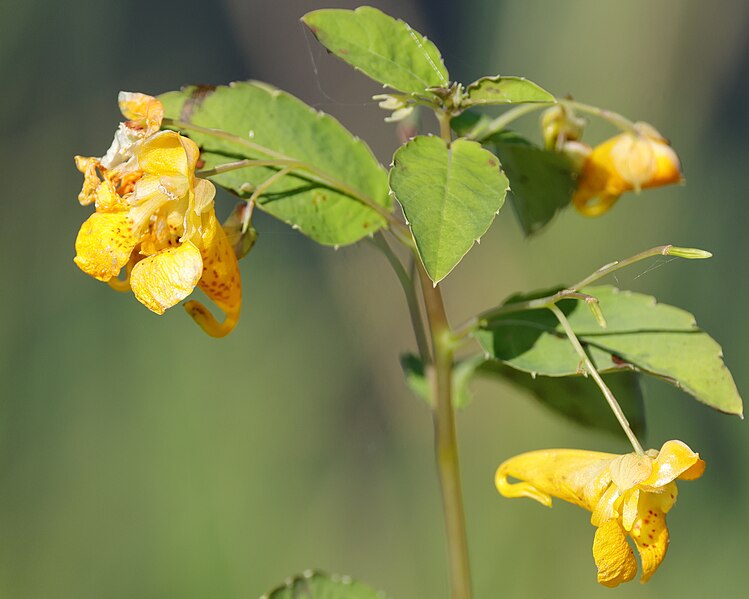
(449, 196)
(504, 90)
(541, 181)
(318, 585)
(642, 335)
(468, 120)
(263, 115)
(579, 398)
(413, 369)
(384, 48)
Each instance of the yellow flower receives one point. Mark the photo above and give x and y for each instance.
(160, 225)
(117, 166)
(628, 162)
(627, 494)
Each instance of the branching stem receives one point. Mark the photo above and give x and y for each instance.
(280, 159)
(544, 302)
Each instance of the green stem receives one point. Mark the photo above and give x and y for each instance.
(249, 162)
(259, 190)
(588, 364)
(280, 159)
(614, 118)
(661, 250)
(544, 302)
(480, 133)
(407, 283)
(498, 124)
(444, 119)
(445, 438)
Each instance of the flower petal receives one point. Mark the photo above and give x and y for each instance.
(578, 476)
(630, 503)
(588, 204)
(121, 149)
(143, 110)
(220, 281)
(614, 557)
(650, 534)
(107, 198)
(625, 162)
(164, 154)
(104, 244)
(91, 179)
(205, 191)
(606, 507)
(675, 460)
(164, 279)
(633, 158)
(667, 166)
(630, 470)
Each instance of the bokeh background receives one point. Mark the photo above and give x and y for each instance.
(140, 458)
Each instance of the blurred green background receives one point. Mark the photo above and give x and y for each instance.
(140, 458)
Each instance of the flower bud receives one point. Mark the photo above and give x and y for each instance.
(559, 125)
(397, 103)
(688, 253)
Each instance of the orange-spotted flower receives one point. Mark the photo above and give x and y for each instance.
(628, 495)
(628, 162)
(157, 220)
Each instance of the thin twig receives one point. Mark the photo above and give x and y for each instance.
(591, 369)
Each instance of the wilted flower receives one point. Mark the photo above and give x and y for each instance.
(627, 162)
(156, 219)
(628, 495)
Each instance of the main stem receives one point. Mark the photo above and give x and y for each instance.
(445, 438)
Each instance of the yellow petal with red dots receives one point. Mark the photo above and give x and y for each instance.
(614, 557)
(627, 495)
(650, 534)
(221, 280)
(104, 244)
(166, 278)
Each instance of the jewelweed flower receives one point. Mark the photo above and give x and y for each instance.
(157, 220)
(628, 495)
(627, 162)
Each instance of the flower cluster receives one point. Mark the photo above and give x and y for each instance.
(628, 495)
(156, 219)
